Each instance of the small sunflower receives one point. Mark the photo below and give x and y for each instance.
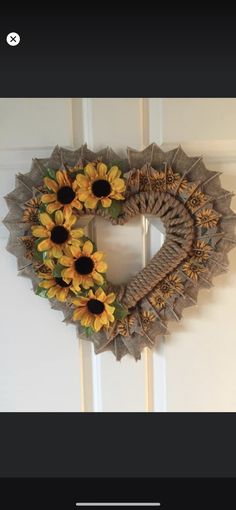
(94, 311)
(28, 243)
(173, 180)
(100, 185)
(158, 181)
(207, 218)
(56, 236)
(30, 214)
(57, 287)
(165, 289)
(193, 270)
(83, 266)
(147, 318)
(63, 193)
(197, 199)
(175, 281)
(201, 251)
(157, 301)
(144, 180)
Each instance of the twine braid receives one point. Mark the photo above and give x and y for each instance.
(179, 227)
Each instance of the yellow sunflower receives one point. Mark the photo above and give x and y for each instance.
(63, 193)
(94, 310)
(83, 266)
(100, 185)
(56, 236)
(57, 287)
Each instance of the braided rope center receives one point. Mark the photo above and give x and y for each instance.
(179, 227)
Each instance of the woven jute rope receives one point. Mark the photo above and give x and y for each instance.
(179, 228)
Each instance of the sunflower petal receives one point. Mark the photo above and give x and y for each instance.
(102, 169)
(97, 256)
(97, 325)
(83, 195)
(82, 181)
(39, 231)
(101, 267)
(45, 245)
(110, 298)
(51, 208)
(62, 294)
(46, 284)
(91, 202)
(103, 318)
(75, 251)
(100, 295)
(52, 292)
(87, 248)
(106, 202)
(70, 221)
(87, 282)
(61, 178)
(59, 217)
(118, 185)
(80, 301)
(46, 220)
(86, 320)
(57, 252)
(113, 173)
(68, 273)
(77, 282)
(98, 278)
(77, 233)
(67, 209)
(79, 313)
(48, 197)
(90, 171)
(51, 184)
(77, 204)
(66, 261)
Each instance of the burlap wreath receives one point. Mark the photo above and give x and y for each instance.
(179, 189)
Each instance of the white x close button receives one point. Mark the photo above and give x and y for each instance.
(13, 39)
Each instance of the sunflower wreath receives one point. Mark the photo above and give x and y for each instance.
(53, 203)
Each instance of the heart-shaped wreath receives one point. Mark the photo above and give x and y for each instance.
(61, 193)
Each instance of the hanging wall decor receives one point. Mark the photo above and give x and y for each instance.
(52, 204)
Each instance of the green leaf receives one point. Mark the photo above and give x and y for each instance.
(120, 312)
(115, 209)
(39, 291)
(49, 172)
(89, 331)
(57, 270)
(42, 208)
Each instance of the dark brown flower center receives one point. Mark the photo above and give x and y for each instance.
(195, 201)
(95, 306)
(65, 195)
(59, 234)
(101, 188)
(61, 282)
(84, 265)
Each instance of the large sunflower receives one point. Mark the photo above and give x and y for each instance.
(94, 310)
(100, 185)
(56, 235)
(84, 267)
(63, 193)
(57, 287)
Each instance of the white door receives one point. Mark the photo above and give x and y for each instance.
(44, 367)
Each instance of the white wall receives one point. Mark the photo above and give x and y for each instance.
(46, 367)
